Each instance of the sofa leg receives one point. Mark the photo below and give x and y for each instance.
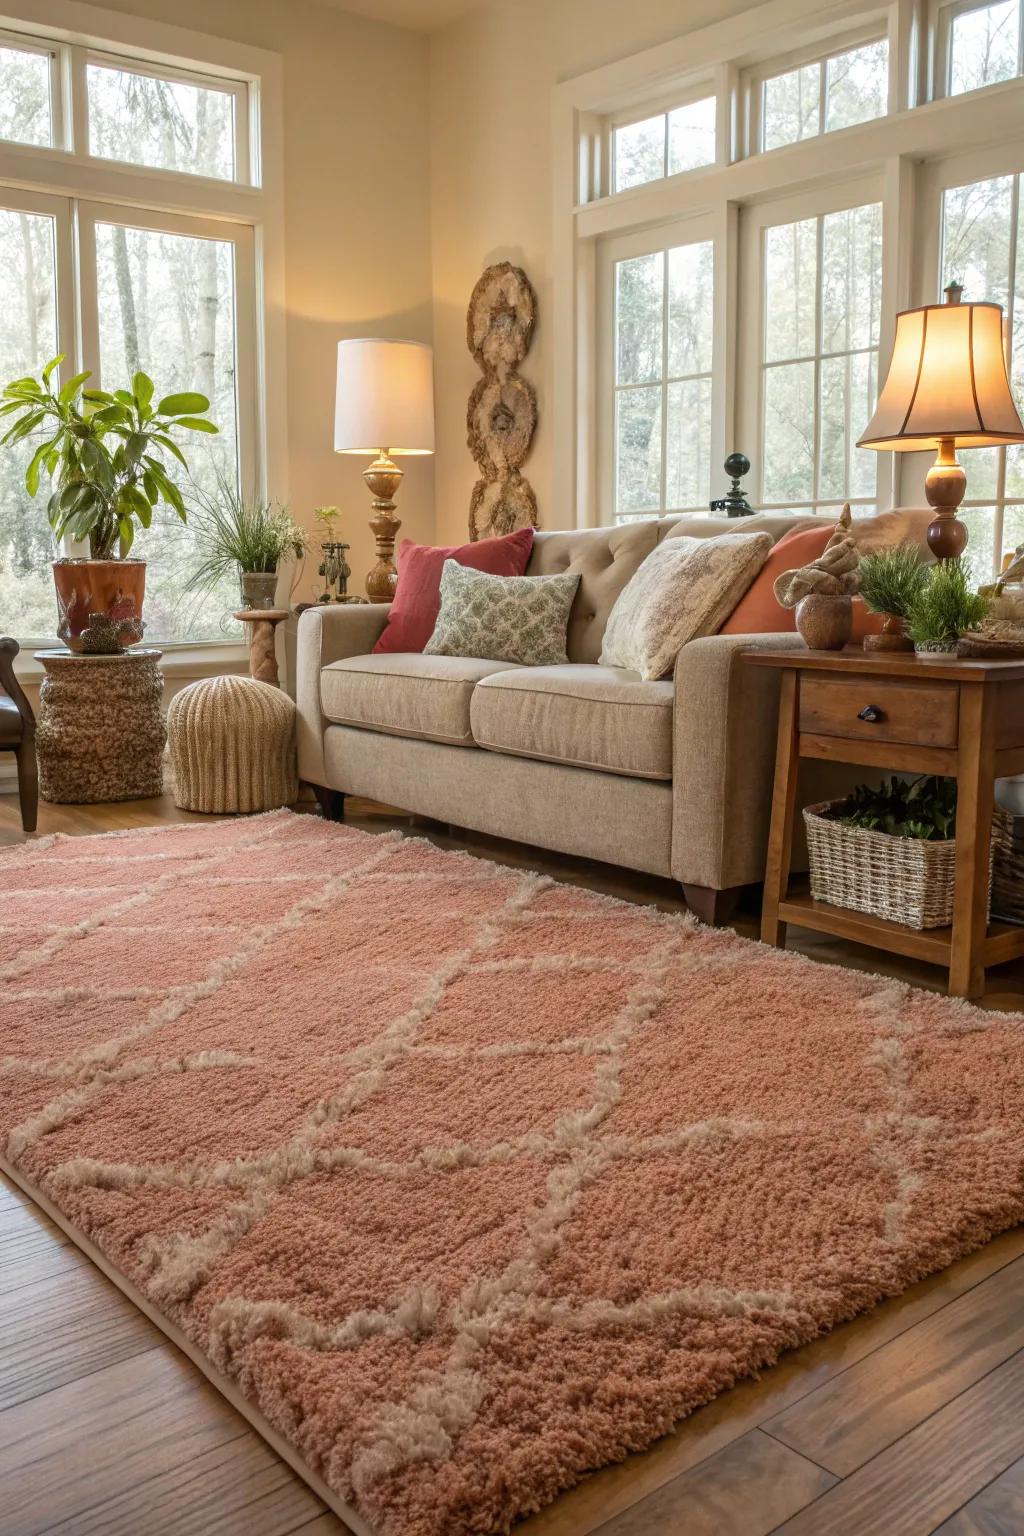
(331, 803)
(712, 906)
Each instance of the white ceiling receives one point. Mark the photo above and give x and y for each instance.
(421, 15)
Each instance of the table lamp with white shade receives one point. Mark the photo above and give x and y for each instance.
(947, 388)
(384, 406)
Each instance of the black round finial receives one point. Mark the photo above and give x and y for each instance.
(737, 465)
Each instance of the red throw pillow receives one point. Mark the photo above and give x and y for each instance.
(417, 600)
(757, 612)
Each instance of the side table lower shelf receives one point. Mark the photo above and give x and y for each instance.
(1004, 941)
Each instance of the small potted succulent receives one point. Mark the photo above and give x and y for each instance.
(944, 609)
(244, 534)
(889, 582)
(105, 454)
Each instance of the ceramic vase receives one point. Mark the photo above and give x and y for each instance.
(99, 603)
(825, 623)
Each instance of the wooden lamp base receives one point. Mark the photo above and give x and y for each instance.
(944, 487)
(383, 478)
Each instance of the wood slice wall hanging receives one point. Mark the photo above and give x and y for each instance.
(502, 414)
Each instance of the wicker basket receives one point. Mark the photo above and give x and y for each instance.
(903, 879)
(1008, 868)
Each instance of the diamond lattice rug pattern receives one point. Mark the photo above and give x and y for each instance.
(471, 1181)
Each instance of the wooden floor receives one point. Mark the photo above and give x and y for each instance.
(902, 1423)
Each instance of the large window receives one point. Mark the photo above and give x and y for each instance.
(120, 287)
(821, 287)
(982, 246)
(662, 380)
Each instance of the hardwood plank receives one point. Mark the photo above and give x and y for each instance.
(997, 1510)
(928, 1474)
(64, 1328)
(746, 1487)
(584, 1508)
(324, 1525)
(239, 1488)
(850, 1419)
(64, 1452)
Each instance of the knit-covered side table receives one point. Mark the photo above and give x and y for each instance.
(100, 733)
(232, 746)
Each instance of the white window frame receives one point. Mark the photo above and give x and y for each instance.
(248, 210)
(697, 231)
(889, 150)
(664, 105)
(754, 222)
(942, 16)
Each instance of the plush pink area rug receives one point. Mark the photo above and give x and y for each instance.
(472, 1181)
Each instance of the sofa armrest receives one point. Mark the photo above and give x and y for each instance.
(327, 634)
(723, 759)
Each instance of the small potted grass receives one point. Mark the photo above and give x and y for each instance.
(890, 581)
(943, 610)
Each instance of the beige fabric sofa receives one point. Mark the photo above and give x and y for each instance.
(670, 777)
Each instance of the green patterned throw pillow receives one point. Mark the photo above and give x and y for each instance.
(502, 618)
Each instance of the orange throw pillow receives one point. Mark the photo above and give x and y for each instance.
(757, 612)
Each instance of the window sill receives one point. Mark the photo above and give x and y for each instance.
(179, 663)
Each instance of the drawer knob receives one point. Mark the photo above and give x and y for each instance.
(871, 713)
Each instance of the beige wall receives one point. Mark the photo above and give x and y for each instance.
(491, 78)
(357, 224)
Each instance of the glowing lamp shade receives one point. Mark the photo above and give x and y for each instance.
(947, 388)
(947, 378)
(385, 398)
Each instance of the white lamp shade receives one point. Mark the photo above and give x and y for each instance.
(947, 378)
(384, 398)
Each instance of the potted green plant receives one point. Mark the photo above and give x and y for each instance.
(105, 456)
(943, 609)
(889, 582)
(242, 534)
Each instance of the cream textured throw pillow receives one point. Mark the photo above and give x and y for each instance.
(684, 589)
(503, 618)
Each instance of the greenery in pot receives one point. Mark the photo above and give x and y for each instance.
(105, 452)
(923, 808)
(945, 608)
(891, 579)
(238, 533)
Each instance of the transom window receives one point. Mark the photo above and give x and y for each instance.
(984, 45)
(169, 124)
(664, 145)
(662, 392)
(26, 110)
(837, 91)
(821, 305)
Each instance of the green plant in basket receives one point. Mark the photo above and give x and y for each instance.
(891, 579)
(945, 608)
(923, 808)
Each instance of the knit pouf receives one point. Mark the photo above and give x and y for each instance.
(232, 746)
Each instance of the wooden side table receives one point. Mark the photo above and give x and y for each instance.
(962, 719)
(262, 624)
(100, 733)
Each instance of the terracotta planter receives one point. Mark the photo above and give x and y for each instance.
(826, 623)
(99, 603)
(891, 637)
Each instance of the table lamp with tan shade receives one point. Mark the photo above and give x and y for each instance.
(384, 406)
(947, 388)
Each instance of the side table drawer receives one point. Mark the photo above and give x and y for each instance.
(875, 709)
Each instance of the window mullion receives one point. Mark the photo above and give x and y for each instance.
(664, 377)
(819, 241)
(79, 99)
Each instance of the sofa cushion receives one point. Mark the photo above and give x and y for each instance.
(406, 694)
(417, 599)
(588, 716)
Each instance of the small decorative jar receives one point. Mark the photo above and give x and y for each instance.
(259, 588)
(825, 622)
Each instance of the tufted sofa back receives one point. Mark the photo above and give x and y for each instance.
(607, 557)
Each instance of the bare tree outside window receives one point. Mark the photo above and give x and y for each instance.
(984, 47)
(834, 92)
(664, 145)
(168, 124)
(663, 346)
(25, 113)
(28, 333)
